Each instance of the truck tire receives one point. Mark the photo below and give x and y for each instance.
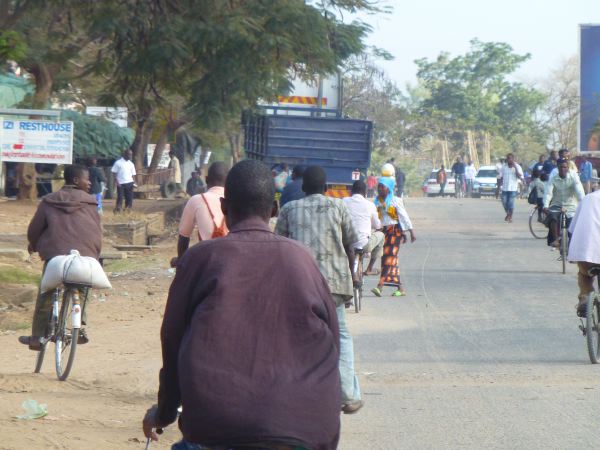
(168, 189)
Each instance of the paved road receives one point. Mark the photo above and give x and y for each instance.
(484, 352)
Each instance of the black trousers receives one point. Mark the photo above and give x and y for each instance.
(124, 191)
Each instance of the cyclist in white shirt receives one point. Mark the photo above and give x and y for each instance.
(124, 173)
(584, 248)
(366, 223)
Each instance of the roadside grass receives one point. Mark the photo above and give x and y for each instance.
(14, 275)
(135, 263)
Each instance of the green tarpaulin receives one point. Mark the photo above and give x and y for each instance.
(96, 136)
(13, 90)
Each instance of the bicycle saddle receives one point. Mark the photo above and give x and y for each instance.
(594, 271)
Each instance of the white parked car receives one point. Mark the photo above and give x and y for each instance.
(486, 181)
(431, 188)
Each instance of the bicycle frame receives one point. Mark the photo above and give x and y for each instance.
(66, 307)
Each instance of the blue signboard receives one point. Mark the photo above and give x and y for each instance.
(589, 117)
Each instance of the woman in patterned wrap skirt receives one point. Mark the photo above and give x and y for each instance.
(395, 223)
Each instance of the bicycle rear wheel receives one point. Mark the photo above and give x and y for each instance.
(49, 334)
(564, 247)
(65, 338)
(538, 229)
(358, 290)
(40, 358)
(592, 323)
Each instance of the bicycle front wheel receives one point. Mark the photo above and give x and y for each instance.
(592, 324)
(537, 228)
(65, 338)
(564, 248)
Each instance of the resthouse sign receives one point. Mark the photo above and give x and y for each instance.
(36, 141)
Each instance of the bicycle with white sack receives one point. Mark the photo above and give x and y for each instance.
(71, 277)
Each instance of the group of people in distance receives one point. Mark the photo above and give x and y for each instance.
(558, 187)
(463, 173)
(255, 345)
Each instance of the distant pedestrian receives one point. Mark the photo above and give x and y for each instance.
(537, 184)
(442, 178)
(550, 163)
(396, 224)
(470, 174)
(175, 167)
(325, 226)
(539, 165)
(293, 190)
(458, 170)
(366, 223)
(195, 185)
(499, 165)
(203, 211)
(124, 173)
(371, 185)
(281, 178)
(510, 174)
(400, 181)
(586, 175)
(98, 181)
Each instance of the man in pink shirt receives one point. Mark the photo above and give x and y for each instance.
(203, 211)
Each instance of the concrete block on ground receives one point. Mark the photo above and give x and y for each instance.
(133, 232)
(18, 294)
(14, 254)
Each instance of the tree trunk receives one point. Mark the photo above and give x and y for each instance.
(26, 174)
(27, 182)
(43, 85)
(487, 149)
(235, 140)
(143, 132)
(170, 128)
(158, 150)
(445, 153)
(472, 146)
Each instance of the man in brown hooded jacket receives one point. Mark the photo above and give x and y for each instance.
(65, 220)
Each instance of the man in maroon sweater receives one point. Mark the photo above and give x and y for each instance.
(65, 220)
(250, 337)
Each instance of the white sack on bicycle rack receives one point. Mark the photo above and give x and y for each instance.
(74, 269)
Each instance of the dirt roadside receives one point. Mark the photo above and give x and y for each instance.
(115, 377)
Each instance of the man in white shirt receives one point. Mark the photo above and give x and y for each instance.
(124, 172)
(510, 174)
(584, 248)
(176, 169)
(366, 223)
(470, 173)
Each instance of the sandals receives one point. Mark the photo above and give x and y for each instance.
(373, 272)
(398, 292)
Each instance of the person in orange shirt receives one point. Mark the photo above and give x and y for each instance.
(203, 211)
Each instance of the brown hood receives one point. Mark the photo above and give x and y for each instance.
(69, 199)
(66, 220)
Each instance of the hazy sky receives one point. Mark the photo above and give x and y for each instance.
(548, 29)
